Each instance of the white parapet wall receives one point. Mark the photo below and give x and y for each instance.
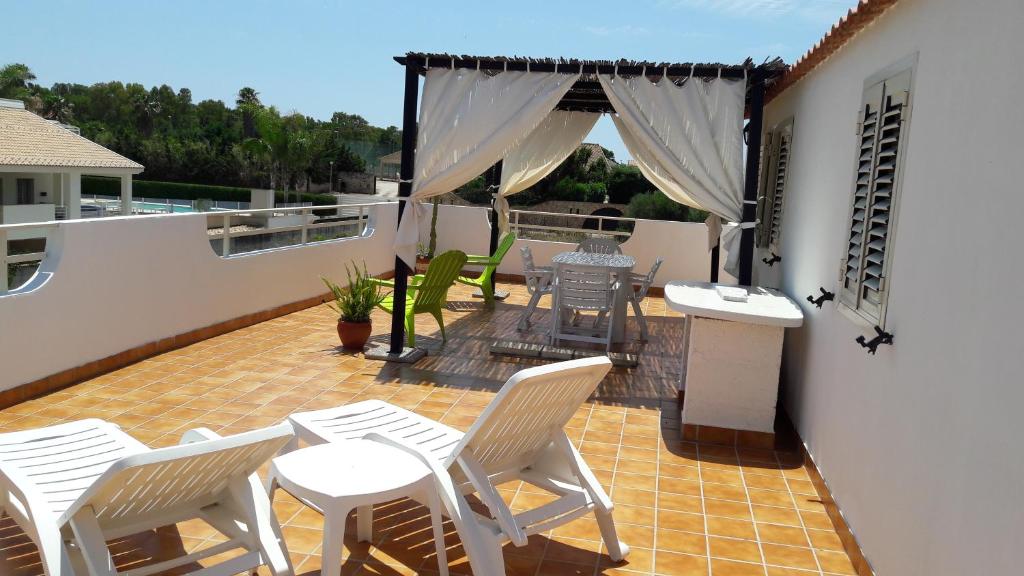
(683, 245)
(114, 284)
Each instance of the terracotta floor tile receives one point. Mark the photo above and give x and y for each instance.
(732, 549)
(732, 528)
(721, 567)
(789, 556)
(673, 564)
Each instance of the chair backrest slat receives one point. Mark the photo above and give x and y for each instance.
(530, 409)
(440, 275)
(193, 474)
(599, 246)
(585, 287)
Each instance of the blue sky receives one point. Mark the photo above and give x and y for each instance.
(321, 56)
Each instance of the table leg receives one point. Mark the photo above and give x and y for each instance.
(364, 523)
(619, 314)
(437, 520)
(334, 542)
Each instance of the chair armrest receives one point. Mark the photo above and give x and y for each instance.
(382, 282)
(482, 261)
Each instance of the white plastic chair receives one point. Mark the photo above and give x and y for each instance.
(72, 487)
(520, 435)
(538, 285)
(641, 285)
(578, 290)
(599, 246)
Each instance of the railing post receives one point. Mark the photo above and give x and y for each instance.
(362, 223)
(226, 250)
(600, 224)
(305, 224)
(3, 261)
(517, 223)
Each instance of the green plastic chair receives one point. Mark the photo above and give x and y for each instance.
(490, 264)
(427, 293)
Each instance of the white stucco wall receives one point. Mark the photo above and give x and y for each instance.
(683, 245)
(112, 284)
(921, 444)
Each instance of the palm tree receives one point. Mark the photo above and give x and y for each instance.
(274, 144)
(247, 101)
(14, 81)
(55, 105)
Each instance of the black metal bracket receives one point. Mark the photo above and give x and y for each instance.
(771, 261)
(881, 337)
(825, 297)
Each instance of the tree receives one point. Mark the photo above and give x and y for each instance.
(657, 206)
(625, 182)
(14, 81)
(248, 101)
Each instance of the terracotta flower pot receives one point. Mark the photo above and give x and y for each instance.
(354, 334)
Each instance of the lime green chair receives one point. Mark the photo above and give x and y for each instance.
(490, 264)
(427, 293)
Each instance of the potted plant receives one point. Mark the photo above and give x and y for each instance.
(354, 305)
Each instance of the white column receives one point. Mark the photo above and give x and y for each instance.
(126, 195)
(57, 195)
(72, 189)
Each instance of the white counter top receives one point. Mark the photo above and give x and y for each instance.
(764, 306)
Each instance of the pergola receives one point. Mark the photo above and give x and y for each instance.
(586, 94)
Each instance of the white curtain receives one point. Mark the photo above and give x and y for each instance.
(468, 121)
(688, 141)
(540, 153)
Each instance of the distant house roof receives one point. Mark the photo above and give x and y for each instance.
(858, 18)
(393, 158)
(597, 153)
(29, 140)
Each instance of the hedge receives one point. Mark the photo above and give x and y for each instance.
(180, 191)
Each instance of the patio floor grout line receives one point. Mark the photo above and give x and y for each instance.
(750, 506)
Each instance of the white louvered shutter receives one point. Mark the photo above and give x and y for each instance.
(764, 189)
(881, 134)
(783, 145)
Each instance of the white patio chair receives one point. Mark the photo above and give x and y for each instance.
(599, 246)
(520, 435)
(538, 285)
(72, 487)
(641, 285)
(579, 290)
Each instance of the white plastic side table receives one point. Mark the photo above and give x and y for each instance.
(336, 478)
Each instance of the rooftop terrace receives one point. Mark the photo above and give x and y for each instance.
(683, 507)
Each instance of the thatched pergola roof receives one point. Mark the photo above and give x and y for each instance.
(587, 94)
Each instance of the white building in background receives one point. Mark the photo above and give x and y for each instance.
(41, 168)
(895, 164)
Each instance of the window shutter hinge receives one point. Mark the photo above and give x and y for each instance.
(860, 128)
(842, 270)
(881, 283)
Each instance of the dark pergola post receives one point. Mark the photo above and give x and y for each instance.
(750, 183)
(493, 182)
(715, 254)
(412, 88)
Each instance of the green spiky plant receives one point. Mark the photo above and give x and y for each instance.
(355, 303)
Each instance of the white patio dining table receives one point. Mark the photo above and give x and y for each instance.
(619, 264)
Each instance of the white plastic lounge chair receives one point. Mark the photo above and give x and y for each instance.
(72, 487)
(520, 435)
